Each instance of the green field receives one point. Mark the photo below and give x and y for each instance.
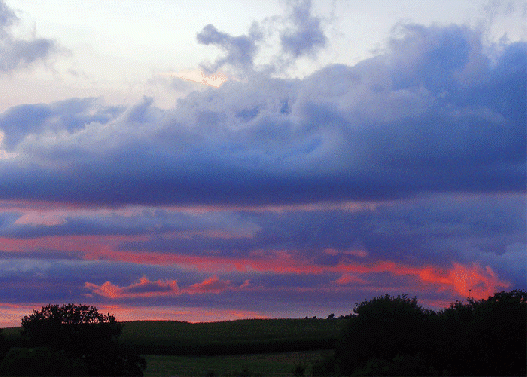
(230, 337)
(273, 364)
(253, 347)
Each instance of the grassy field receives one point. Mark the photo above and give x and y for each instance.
(253, 347)
(230, 337)
(274, 364)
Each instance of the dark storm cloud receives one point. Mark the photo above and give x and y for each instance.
(431, 114)
(16, 53)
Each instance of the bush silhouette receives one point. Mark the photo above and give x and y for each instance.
(395, 336)
(383, 328)
(40, 361)
(485, 337)
(80, 332)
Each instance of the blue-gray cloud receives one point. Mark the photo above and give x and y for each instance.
(70, 116)
(240, 51)
(432, 230)
(389, 127)
(16, 53)
(306, 36)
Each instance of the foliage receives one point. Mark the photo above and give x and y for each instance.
(395, 336)
(82, 333)
(4, 344)
(40, 361)
(75, 327)
(485, 337)
(383, 328)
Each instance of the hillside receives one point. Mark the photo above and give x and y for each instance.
(246, 336)
(230, 337)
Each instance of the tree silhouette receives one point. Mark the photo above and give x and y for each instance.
(485, 337)
(82, 333)
(383, 328)
(395, 336)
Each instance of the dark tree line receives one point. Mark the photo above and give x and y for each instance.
(395, 336)
(70, 340)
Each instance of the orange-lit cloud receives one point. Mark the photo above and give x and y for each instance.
(459, 279)
(161, 288)
(473, 281)
(143, 288)
(211, 285)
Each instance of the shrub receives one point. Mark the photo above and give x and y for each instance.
(383, 328)
(84, 334)
(40, 361)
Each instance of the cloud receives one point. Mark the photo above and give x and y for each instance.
(300, 34)
(144, 288)
(430, 115)
(240, 51)
(17, 53)
(211, 285)
(165, 223)
(305, 37)
(456, 278)
(214, 80)
(468, 229)
(69, 116)
(160, 288)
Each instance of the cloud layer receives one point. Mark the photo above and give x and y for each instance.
(412, 120)
(404, 173)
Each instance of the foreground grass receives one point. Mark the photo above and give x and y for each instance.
(253, 347)
(252, 336)
(275, 364)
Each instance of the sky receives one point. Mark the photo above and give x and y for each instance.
(224, 160)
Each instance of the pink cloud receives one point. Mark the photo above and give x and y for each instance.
(482, 282)
(143, 288)
(211, 285)
(347, 279)
(161, 288)
(360, 253)
(83, 244)
(474, 281)
(11, 314)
